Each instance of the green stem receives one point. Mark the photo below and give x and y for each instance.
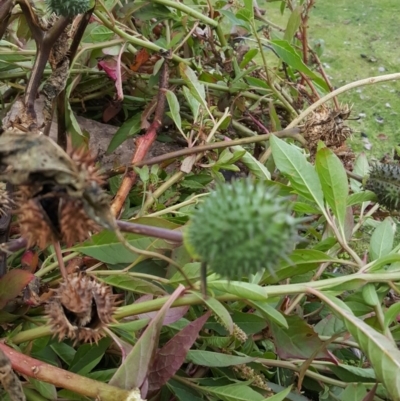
(136, 41)
(187, 10)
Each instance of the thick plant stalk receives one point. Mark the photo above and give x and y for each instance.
(143, 143)
(61, 378)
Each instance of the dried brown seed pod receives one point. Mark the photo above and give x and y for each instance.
(5, 201)
(80, 308)
(327, 125)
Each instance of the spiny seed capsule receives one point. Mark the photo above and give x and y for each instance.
(241, 228)
(69, 8)
(384, 181)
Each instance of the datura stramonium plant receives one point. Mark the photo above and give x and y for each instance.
(69, 8)
(241, 228)
(384, 181)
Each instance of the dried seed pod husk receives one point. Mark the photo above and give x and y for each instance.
(328, 126)
(80, 308)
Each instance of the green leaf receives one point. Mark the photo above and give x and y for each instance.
(391, 315)
(133, 284)
(360, 197)
(196, 88)
(248, 57)
(303, 261)
(88, 356)
(215, 359)
(243, 290)
(301, 174)
(47, 390)
(270, 313)
(293, 24)
(334, 184)
(192, 102)
(219, 309)
(255, 167)
(361, 167)
(281, 396)
(174, 108)
(382, 353)
(234, 392)
(382, 238)
(128, 128)
(288, 54)
(101, 34)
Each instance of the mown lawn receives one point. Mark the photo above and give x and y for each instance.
(360, 39)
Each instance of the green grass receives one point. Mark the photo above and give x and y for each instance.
(349, 29)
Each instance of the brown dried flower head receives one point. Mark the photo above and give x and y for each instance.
(48, 212)
(80, 308)
(329, 126)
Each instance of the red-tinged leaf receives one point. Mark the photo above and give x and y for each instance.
(12, 284)
(371, 394)
(134, 370)
(30, 261)
(172, 355)
(109, 66)
(299, 341)
(142, 56)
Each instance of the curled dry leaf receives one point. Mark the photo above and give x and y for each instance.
(9, 379)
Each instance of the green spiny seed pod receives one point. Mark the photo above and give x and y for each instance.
(384, 181)
(241, 228)
(68, 8)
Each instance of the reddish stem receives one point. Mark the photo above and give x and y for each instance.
(143, 144)
(39, 370)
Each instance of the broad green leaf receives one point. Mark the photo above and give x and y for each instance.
(134, 370)
(301, 174)
(281, 396)
(360, 197)
(101, 34)
(270, 313)
(303, 261)
(382, 238)
(88, 356)
(182, 392)
(354, 392)
(250, 323)
(192, 102)
(234, 392)
(299, 340)
(248, 57)
(376, 265)
(174, 108)
(191, 270)
(361, 167)
(392, 314)
(293, 24)
(288, 54)
(242, 290)
(215, 359)
(382, 352)
(196, 87)
(349, 373)
(133, 284)
(255, 167)
(219, 309)
(334, 184)
(128, 128)
(64, 351)
(47, 390)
